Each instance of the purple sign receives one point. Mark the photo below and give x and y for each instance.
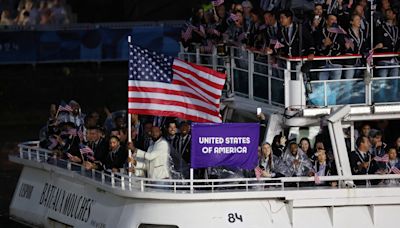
(225, 144)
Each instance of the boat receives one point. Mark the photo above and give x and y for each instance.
(57, 193)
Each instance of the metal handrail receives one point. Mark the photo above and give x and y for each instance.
(30, 151)
(246, 56)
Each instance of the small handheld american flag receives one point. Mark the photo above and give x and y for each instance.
(187, 34)
(87, 152)
(217, 2)
(395, 170)
(370, 57)
(278, 45)
(384, 158)
(234, 17)
(63, 107)
(258, 171)
(316, 179)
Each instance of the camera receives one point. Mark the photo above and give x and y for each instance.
(222, 49)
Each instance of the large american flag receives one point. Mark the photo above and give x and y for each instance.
(160, 85)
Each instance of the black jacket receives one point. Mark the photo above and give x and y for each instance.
(117, 159)
(389, 37)
(292, 46)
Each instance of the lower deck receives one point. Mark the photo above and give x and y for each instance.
(54, 195)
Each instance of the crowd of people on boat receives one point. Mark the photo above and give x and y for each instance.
(34, 12)
(161, 147)
(86, 140)
(376, 152)
(331, 28)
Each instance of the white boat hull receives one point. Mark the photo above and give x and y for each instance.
(51, 198)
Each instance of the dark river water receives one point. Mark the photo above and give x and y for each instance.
(26, 92)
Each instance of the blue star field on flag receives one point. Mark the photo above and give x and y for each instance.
(149, 66)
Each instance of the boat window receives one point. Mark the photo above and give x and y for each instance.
(297, 133)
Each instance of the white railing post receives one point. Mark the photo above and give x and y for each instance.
(46, 156)
(191, 180)
(368, 88)
(181, 53)
(287, 79)
(29, 154)
(142, 185)
(68, 165)
(269, 78)
(198, 59)
(122, 182)
(250, 63)
(103, 178)
(231, 65)
(325, 94)
(37, 156)
(112, 180)
(228, 81)
(352, 147)
(21, 152)
(214, 58)
(93, 174)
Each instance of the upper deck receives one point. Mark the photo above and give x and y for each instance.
(276, 83)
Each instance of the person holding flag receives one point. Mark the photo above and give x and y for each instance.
(356, 43)
(330, 42)
(387, 38)
(289, 37)
(361, 161)
(393, 163)
(268, 163)
(324, 167)
(392, 166)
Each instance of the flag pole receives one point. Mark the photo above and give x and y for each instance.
(129, 126)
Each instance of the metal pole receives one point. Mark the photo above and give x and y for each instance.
(198, 60)
(286, 83)
(352, 136)
(214, 58)
(269, 75)
(250, 62)
(129, 131)
(191, 180)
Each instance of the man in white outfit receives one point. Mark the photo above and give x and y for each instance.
(156, 160)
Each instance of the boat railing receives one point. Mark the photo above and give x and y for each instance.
(284, 82)
(30, 151)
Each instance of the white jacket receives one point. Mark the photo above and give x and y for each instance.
(155, 160)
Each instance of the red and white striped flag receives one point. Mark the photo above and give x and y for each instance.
(160, 85)
(64, 108)
(384, 158)
(80, 134)
(217, 2)
(395, 170)
(87, 152)
(187, 34)
(258, 171)
(369, 57)
(71, 131)
(316, 179)
(278, 45)
(234, 17)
